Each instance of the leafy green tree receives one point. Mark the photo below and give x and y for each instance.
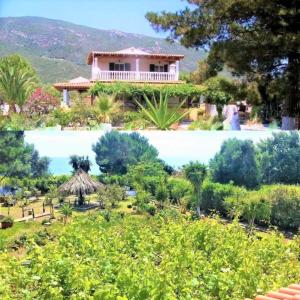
(66, 210)
(111, 194)
(253, 207)
(256, 38)
(159, 114)
(146, 176)
(236, 163)
(17, 80)
(19, 159)
(279, 158)
(80, 162)
(39, 165)
(196, 172)
(204, 71)
(115, 151)
(178, 188)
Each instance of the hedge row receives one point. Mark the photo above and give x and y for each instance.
(277, 205)
(138, 90)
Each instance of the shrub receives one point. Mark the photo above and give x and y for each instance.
(214, 195)
(253, 207)
(151, 209)
(285, 206)
(178, 189)
(279, 204)
(206, 123)
(62, 116)
(6, 222)
(40, 103)
(146, 176)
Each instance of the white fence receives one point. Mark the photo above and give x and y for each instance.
(135, 76)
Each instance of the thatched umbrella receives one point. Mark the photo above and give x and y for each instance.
(81, 184)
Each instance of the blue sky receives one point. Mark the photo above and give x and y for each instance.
(125, 15)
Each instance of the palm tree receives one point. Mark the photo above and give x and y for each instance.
(49, 199)
(105, 107)
(66, 211)
(80, 162)
(159, 114)
(196, 172)
(17, 81)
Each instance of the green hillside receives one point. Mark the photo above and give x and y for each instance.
(58, 49)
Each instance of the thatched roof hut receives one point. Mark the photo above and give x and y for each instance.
(80, 184)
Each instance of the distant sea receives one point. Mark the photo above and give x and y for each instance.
(176, 148)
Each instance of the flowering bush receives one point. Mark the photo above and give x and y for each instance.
(41, 102)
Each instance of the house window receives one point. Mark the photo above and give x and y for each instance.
(119, 67)
(159, 68)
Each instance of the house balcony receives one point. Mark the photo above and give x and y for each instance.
(135, 76)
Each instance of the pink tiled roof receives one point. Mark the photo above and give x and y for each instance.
(292, 292)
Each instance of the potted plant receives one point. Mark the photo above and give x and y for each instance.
(6, 222)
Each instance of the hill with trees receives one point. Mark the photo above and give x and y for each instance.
(58, 49)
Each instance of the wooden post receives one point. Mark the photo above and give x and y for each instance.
(43, 207)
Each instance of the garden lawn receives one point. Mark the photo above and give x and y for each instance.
(161, 257)
(9, 235)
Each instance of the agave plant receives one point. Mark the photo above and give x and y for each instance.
(159, 114)
(105, 107)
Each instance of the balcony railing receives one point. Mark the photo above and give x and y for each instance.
(135, 76)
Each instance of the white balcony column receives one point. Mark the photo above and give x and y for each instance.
(137, 68)
(93, 68)
(66, 97)
(177, 70)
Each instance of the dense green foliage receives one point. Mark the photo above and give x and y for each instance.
(214, 195)
(236, 162)
(116, 151)
(137, 91)
(17, 81)
(157, 258)
(80, 162)
(146, 176)
(19, 159)
(279, 158)
(260, 43)
(276, 205)
(179, 189)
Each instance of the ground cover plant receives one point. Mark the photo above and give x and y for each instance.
(164, 257)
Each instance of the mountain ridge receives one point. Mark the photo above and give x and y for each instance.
(58, 49)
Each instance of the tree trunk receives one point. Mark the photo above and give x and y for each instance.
(292, 101)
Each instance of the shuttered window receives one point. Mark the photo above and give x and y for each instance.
(159, 68)
(119, 67)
